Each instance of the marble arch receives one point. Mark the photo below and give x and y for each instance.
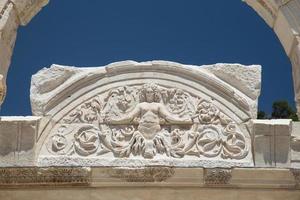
(283, 16)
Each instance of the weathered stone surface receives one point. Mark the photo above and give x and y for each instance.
(28, 8)
(295, 60)
(12, 14)
(296, 174)
(248, 83)
(143, 114)
(246, 79)
(283, 17)
(150, 193)
(44, 176)
(295, 146)
(2, 90)
(272, 142)
(8, 32)
(18, 136)
(217, 176)
(252, 183)
(185, 183)
(147, 174)
(267, 9)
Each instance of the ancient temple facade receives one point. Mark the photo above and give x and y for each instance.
(148, 130)
(151, 130)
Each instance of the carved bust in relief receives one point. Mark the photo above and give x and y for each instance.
(146, 121)
(150, 113)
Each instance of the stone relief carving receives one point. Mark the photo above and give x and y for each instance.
(86, 113)
(148, 121)
(296, 174)
(45, 176)
(4, 8)
(217, 176)
(295, 143)
(148, 174)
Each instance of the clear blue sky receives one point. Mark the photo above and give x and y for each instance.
(95, 33)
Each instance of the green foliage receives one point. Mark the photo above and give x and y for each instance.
(261, 115)
(280, 110)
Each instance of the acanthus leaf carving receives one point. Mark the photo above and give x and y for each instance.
(87, 112)
(146, 121)
(86, 140)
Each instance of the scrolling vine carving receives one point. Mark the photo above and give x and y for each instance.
(146, 121)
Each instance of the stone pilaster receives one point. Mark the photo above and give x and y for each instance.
(272, 143)
(18, 137)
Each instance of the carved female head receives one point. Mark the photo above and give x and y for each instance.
(150, 93)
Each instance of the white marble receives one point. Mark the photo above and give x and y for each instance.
(272, 143)
(295, 146)
(18, 136)
(142, 114)
(282, 16)
(12, 14)
(149, 183)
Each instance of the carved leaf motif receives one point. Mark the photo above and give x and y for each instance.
(58, 143)
(86, 140)
(235, 144)
(119, 101)
(179, 102)
(207, 113)
(88, 112)
(140, 120)
(209, 142)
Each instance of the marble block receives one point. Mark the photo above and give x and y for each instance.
(18, 136)
(155, 113)
(272, 142)
(295, 145)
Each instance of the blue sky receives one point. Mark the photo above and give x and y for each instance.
(95, 33)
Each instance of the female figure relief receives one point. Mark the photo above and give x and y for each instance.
(149, 112)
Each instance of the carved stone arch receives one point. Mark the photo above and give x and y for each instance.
(13, 13)
(161, 112)
(281, 15)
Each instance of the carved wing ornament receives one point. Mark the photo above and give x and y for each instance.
(148, 121)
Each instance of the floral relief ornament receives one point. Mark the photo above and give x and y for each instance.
(86, 140)
(88, 112)
(138, 121)
(58, 143)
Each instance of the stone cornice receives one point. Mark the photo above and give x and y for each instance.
(243, 178)
(44, 176)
